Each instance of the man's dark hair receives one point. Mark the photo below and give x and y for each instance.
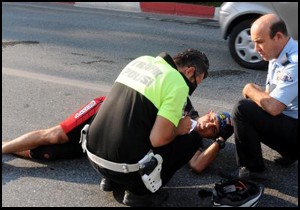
(195, 58)
(278, 26)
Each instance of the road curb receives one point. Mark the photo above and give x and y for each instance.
(169, 8)
(178, 9)
(122, 6)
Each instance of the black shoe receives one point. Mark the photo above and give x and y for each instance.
(154, 199)
(285, 161)
(107, 185)
(243, 173)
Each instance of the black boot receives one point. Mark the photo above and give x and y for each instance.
(285, 161)
(153, 199)
(107, 185)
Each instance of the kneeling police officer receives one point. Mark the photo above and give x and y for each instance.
(138, 138)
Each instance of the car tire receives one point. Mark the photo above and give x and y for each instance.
(242, 49)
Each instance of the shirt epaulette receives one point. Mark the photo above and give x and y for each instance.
(284, 61)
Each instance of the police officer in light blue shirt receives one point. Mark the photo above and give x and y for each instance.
(269, 115)
(282, 79)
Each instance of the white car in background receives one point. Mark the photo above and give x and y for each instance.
(235, 20)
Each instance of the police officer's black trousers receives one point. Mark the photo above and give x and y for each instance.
(253, 125)
(178, 153)
(175, 155)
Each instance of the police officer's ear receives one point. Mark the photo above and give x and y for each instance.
(189, 72)
(279, 37)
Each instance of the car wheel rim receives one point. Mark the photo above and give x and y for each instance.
(244, 47)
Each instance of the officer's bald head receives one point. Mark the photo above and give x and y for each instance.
(270, 24)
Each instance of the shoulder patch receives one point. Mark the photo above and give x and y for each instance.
(284, 77)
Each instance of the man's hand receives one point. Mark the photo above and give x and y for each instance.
(184, 126)
(249, 89)
(226, 131)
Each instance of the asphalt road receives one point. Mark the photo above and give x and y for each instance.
(55, 58)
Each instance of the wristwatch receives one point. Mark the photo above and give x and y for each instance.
(221, 143)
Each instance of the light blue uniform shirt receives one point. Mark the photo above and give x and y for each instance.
(282, 78)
